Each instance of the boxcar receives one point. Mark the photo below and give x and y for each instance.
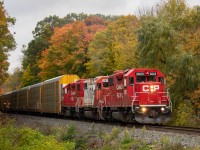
(23, 99)
(44, 97)
(52, 91)
(14, 101)
(34, 99)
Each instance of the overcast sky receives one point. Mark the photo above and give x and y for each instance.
(29, 12)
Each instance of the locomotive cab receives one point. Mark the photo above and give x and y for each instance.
(101, 90)
(73, 98)
(95, 90)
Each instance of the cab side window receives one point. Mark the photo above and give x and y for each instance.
(110, 81)
(98, 86)
(66, 91)
(78, 87)
(85, 85)
(161, 79)
(131, 81)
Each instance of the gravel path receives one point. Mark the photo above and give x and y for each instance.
(148, 136)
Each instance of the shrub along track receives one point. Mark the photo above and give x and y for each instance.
(147, 133)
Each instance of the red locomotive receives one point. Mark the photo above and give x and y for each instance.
(130, 95)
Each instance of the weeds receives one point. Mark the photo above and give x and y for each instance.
(26, 138)
(70, 133)
(71, 137)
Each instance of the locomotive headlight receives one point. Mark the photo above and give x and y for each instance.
(144, 109)
(162, 109)
(151, 88)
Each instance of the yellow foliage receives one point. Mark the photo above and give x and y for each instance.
(195, 97)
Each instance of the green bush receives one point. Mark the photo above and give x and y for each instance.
(26, 138)
(185, 116)
(70, 133)
(69, 138)
(127, 138)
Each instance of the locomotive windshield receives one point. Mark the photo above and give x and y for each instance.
(146, 78)
(105, 84)
(151, 78)
(140, 78)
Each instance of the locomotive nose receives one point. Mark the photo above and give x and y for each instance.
(153, 114)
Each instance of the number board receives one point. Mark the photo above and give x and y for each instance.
(139, 73)
(152, 73)
(105, 80)
(142, 74)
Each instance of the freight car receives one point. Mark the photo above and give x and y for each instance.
(44, 97)
(132, 95)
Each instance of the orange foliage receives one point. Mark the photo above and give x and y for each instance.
(68, 50)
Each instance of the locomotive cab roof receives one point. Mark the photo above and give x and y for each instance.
(144, 72)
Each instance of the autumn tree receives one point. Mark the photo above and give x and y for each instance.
(7, 42)
(42, 39)
(124, 41)
(13, 82)
(42, 35)
(27, 77)
(32, 53)
(100, 54)
(67, 54)
(114, 48)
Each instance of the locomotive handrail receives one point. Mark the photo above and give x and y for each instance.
(77, 105)
(100, 109)
(134, 99)
(170, 102)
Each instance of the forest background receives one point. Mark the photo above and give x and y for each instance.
(167, 37)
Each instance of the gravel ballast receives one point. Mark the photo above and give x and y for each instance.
(148, 136)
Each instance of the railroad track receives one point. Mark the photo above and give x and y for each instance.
(183, 130)
(163, 128)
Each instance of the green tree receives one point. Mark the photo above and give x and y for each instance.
(171, 35)
(156, 40)
(27, 77)
(7, 41)
(114, 48)
(186, 115)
